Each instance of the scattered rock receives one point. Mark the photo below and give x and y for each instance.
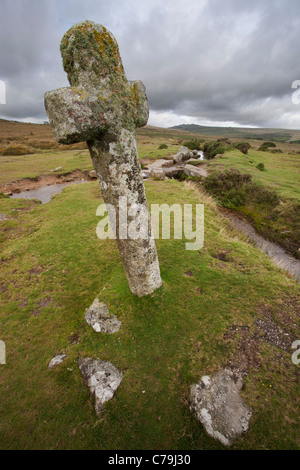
(167, 163)
(183, 155)
(55, 361)
(3, 216)
(57, 169)
(102, 378)
(100, 320)
(158, 164)
(145, 174)
(191, 170)
(92, 174)
(216, 403)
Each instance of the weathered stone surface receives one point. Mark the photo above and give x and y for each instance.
(216, 403)
(167, 163)
(55, 361)
(102, 378)
(103, 108)
(163, 173)
(92, 174)
(3, 216)
(159, 163)
(99, 318)
(191, 170)
(183, 155)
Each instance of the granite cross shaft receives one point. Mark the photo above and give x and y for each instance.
(103, 108)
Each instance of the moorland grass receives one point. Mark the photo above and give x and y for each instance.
(52, 268)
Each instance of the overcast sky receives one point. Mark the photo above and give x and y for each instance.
(209, 62)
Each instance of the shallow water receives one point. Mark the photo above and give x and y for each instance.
(44, 193)
(274, 251)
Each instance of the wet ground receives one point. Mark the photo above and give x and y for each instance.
(44, 193)
(274, 251)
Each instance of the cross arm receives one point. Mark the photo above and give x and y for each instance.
(74, 115)
(141, 103)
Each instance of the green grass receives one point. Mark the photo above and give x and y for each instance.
(282, 170)
(29, 166)
(13, 168)
(52, 268)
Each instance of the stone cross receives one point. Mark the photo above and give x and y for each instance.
(103, 108)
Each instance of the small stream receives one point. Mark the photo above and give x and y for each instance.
(44, 193)
(201, 155)
(280, 257)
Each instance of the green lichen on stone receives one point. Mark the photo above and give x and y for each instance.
(88, 46)
(92, 61)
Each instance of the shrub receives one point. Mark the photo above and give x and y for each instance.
(193, 144)
(262, 195)
(14, 150)
(162, 146)
(228, 187)
(261, 167)
(266, 145)
(243, 147)
(211, 149)
(269, 144)
(224, 140)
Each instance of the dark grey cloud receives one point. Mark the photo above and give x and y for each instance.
(216, 61)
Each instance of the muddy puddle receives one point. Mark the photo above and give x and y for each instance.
(44, 193)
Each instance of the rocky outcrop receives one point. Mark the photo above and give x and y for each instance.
(55, 361)
(102, 378)
(191, 170)
(183, 155)
(99, 318)
(217, 404)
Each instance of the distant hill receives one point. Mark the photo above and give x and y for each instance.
(277, 135)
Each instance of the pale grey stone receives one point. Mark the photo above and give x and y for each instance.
(191, 170)
(167, 163)
(55, 361)
(102, 378)
(145, 174)
(99, 318)
(217, 404)
(183, 155)
(160, 163)
(57, 169)
(3, 216)
(92, 174)
(103, 108)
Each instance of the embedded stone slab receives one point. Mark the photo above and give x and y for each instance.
(183, 155)
(55, 361)
(217, 404)
(102, 378)
(160, 163)
(92, 174)
(191, 170)
(99, 318)
(103, 108)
